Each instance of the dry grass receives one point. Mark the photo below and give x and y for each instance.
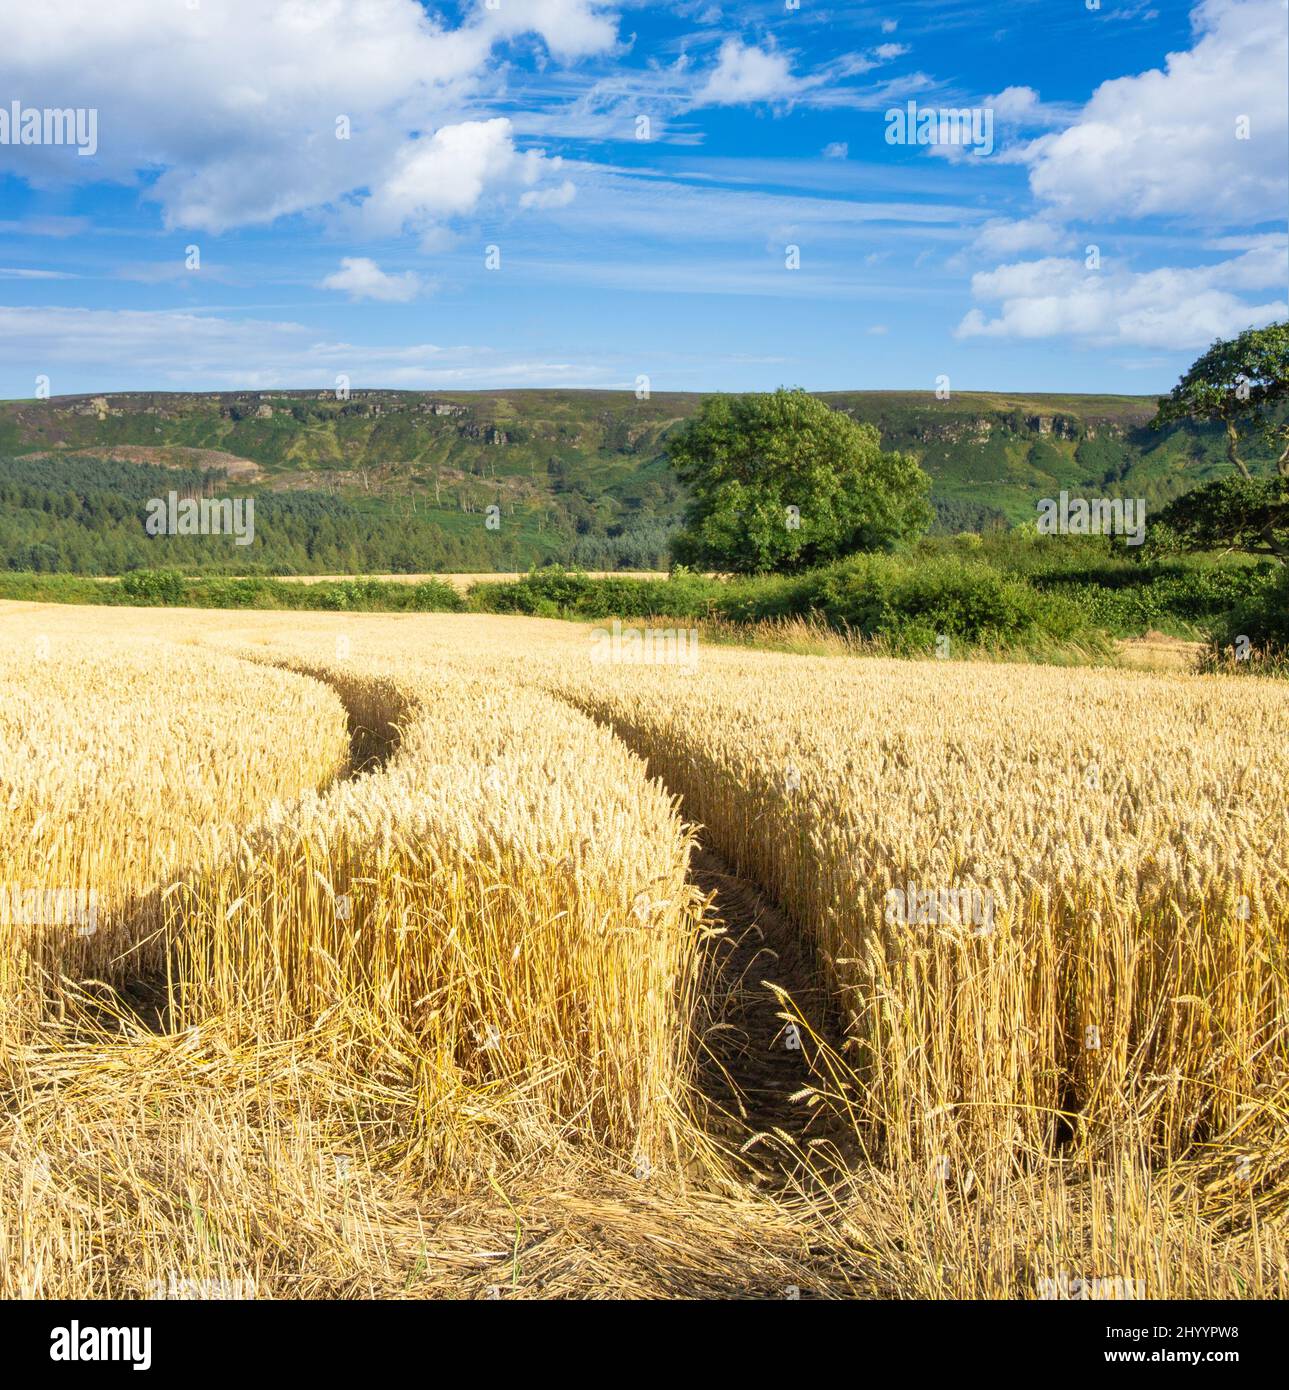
(438, 1026)
(1156, 651)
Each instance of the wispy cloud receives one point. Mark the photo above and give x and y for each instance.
(9, 272)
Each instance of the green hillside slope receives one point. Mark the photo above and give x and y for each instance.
(392, 481)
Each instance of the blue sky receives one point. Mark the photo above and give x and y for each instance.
(1155, 132)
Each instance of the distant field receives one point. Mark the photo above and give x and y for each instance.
(460, 582)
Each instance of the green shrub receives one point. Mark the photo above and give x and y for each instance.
(907, 600)
(556, 592)
(913, 603)
(1262, 617)
(154, 586)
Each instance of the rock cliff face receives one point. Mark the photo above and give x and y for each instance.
(980, 429)
(955, 432)
(628, 422)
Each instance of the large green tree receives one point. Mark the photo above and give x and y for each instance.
(779, 482)
(1244, 384)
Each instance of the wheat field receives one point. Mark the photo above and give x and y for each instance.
(432, 955)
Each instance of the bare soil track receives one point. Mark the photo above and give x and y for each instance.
(754, 1061)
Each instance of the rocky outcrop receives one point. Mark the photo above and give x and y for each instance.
(958, 431)
(487, 434)
(1058, 426)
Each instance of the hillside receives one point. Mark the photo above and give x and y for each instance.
(399, 481)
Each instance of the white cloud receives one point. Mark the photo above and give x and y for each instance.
(446, 175)
(558, 197)
(230, 110)
(570, 29)
(361, 278)
(839, 149)
(1003, 237)
(1164, 142)
(747, 74)
(1021, 106)
(1176, 308)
